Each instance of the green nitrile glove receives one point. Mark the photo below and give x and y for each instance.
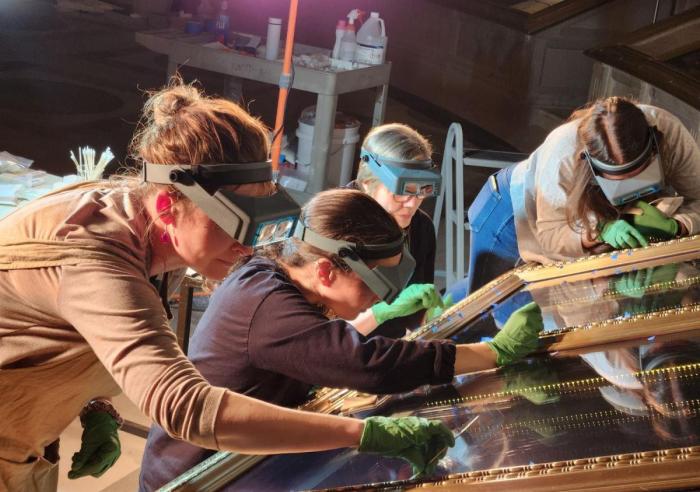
(519, 335)
(620, 235)
(100, 446)
(436, 311)
(633, 284)
(412, 299)
(419, 441)
(654, 223)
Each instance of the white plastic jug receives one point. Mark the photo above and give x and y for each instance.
(371, 41)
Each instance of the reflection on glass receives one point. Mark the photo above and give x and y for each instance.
(266, 233)
(284, 229)
(643, 397)
(279, 230)
(577, 303)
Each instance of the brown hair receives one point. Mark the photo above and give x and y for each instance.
(613, 130)
(343, 214)
(180, 125)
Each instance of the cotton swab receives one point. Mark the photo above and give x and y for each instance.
(105, 158)
(75, 161)
(85, 162)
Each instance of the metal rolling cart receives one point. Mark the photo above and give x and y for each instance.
(187, 49)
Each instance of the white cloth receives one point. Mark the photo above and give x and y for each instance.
(539, 187)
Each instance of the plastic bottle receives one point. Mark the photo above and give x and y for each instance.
(348, 44)
(371, 41)
(222, 23)
(272, 46)
(339, 31)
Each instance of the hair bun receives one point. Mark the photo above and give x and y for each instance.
(167, 104)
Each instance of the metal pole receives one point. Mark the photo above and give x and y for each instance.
(285, 82)
(656, 11)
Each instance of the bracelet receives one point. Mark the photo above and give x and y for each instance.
(100, 405)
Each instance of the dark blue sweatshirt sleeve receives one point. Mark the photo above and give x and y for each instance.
(288, 336)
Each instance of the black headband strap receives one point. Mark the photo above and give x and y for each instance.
(364, 251)
(219, 174)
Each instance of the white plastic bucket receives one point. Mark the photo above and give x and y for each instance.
(342, 155)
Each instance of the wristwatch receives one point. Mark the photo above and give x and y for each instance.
(101, 405)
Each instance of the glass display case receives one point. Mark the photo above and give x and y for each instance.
(611, 398)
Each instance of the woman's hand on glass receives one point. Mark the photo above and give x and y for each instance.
(419, 441)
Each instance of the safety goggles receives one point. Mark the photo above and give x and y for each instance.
(251, 220)
(404, 177)
(621, 191)
(386, 282)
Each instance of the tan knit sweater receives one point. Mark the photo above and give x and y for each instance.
(79, 319)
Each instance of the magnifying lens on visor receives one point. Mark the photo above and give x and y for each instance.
(405, 177)
(386, 282)
(622, 191)
(251, 220)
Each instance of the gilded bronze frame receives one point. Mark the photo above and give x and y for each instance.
(670, 468)
(677, 320)
(667, 469)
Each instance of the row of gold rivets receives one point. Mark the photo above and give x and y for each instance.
(604, 418)
(614, 461)
(691, 370)
(560, 264)
(614, 294)
(665, 313)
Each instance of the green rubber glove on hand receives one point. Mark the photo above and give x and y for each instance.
(621, 235)
(654, 223)
(419, 441)
(436, 311)
(411, 300)
(519, 336)
(100, 446)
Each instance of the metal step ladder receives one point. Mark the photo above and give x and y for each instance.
(454, 158)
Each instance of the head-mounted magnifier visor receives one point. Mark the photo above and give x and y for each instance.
(404, 177)
(622, 191)
(251, 220)
(386, 282)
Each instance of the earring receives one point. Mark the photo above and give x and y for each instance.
(165, 237)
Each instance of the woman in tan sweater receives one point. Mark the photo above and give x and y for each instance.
(79, 319)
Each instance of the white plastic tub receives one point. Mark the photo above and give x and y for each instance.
(341, 160)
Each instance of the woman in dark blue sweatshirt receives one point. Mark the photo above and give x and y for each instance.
(275, 327)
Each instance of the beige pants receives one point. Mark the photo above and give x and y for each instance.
(37, 475)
